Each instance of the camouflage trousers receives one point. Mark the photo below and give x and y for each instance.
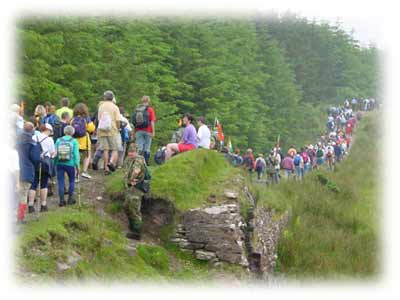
(132, 205)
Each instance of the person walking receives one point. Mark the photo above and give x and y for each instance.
(108, 136)
(144, 120)
(43, 171)
(67, 161)
(288, 166)
(248, 161)
(29, 158)
(84, 127)
(261, 165)
(135, 187)
(298, 166)
(64, 108)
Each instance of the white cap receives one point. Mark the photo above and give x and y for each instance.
(49, 127)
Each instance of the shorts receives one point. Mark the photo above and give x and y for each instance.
(111, 143)
(185, 147)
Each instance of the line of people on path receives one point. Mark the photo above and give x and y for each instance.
(58, 142)
(330, 149)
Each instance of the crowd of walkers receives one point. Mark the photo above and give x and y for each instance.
(58, 147)
(329, 149)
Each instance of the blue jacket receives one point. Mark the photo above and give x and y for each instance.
(29, 156)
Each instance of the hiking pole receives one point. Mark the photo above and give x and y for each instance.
(39, 201)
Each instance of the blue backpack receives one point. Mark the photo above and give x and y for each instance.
(297, 159)
(124, 134)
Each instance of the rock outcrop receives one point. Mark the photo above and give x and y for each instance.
(213, 232)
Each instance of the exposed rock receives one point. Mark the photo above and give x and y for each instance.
(204, 255)
(267, 230)
(131, 249)
(231, 195)
(216, 229)
(73, 259)
(61, 267)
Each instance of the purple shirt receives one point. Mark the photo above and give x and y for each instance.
(287, 163)
(189, 135)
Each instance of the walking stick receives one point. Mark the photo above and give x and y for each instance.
(39, 201)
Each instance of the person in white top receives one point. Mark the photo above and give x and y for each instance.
(203, 134)
(44, 172)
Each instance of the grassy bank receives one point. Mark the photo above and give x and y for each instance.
(186, 180)
(103, 253)
(334, 226)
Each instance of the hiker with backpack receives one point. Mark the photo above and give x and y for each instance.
(83, 128)
(29, 158)
(298, 166)
(188, 141)
(248, 161)
(203, 134)
(329, 156)
(108, 136)
(67, 160)
(125, 131)
(64, 108)
(288, 166)
(44, 170)
(143, 119)
(306, 160)
(261, 165)
(320, 156)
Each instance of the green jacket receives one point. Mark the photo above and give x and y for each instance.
(75, 159)
(136, 166)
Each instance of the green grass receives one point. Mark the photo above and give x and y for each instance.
(186, 180)
(98, 241)
(333, 231)
(103, 251)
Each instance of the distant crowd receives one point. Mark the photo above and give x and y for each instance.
(329, 149)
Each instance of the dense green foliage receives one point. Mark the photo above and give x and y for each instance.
(260, 77)
(333, 231)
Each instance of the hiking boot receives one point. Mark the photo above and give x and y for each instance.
(43, 208)
(133, 235)
(71, 200)
(111, 167)
(62, 203)
(31, 209)
(86, 175)
(95, 167)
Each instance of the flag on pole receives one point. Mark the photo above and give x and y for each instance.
(230, 145)
(22, 107)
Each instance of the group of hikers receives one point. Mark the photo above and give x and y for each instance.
(330, 148)
(64, 143)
